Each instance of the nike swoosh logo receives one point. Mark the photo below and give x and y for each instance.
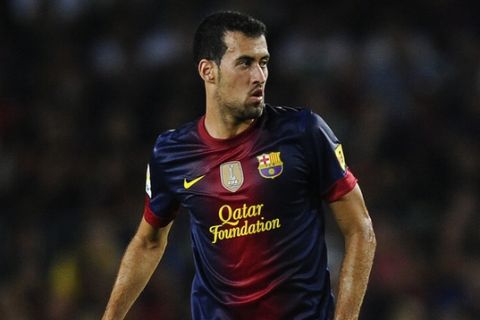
(189, 184)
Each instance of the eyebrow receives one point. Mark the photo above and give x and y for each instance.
(250, 58)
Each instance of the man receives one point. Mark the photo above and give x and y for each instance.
(252, 177)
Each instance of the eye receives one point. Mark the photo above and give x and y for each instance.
(263, 63)
(245, 63)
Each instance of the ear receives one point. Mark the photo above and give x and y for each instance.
(207, 69)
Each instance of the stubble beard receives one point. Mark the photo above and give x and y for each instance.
(239, 111)
(245, 112)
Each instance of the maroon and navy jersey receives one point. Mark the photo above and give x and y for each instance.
(257, 225)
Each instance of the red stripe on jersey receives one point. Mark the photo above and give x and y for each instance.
(230, 142)
(151, 218)
(341, 187)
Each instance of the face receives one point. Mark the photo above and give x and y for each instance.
(242, 76)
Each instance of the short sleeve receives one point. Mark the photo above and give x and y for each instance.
(160, 203)
(330, 172)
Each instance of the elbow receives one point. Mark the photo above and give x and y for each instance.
(363, 235)
(369, 235)
(157, 244)
(152, 243)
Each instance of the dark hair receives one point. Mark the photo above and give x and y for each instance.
(209, 42)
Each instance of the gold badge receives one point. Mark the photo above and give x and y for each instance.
(340, 156)
(231, 175)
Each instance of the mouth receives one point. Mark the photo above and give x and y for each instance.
(257, 94)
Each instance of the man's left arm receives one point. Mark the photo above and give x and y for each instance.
(355, 224)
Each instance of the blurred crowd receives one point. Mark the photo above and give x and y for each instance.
(86, 86)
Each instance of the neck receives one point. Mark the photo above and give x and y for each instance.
(224, 126)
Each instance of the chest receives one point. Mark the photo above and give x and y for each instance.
(268, 172)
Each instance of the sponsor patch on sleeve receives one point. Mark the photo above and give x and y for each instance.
(340, 156)
(148, 187)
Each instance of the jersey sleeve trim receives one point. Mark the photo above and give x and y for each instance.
(341, 187)
(151, 218)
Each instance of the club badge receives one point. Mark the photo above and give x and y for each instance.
(270, 165)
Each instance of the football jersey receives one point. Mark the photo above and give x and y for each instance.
(257, 225)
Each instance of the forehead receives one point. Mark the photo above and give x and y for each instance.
(238, 44)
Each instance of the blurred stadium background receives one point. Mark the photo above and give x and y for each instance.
(85, 87)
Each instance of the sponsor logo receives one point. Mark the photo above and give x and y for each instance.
(231, 175)
(340, 156)
(188, 184)
(148, 186)
(270, 165)
(242, 221)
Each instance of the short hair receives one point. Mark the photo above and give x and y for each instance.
(209, 41)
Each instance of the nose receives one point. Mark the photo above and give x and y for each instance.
(259, 74)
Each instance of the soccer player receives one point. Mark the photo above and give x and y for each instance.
(253, 178)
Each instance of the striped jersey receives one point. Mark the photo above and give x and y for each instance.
(255, 205)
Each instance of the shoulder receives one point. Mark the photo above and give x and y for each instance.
(300, 121)
(284, 111)
(287, 117)
(317, 123)
(171, 139)
(300, 118)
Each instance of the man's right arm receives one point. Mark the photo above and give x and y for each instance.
(138, 264)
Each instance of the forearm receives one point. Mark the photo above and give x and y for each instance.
(138, 263)
(355, 270)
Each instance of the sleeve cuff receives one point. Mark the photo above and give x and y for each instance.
(151, 218)
(341, 187)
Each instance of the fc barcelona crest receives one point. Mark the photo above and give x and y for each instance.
(231, 175)
(270, 165)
